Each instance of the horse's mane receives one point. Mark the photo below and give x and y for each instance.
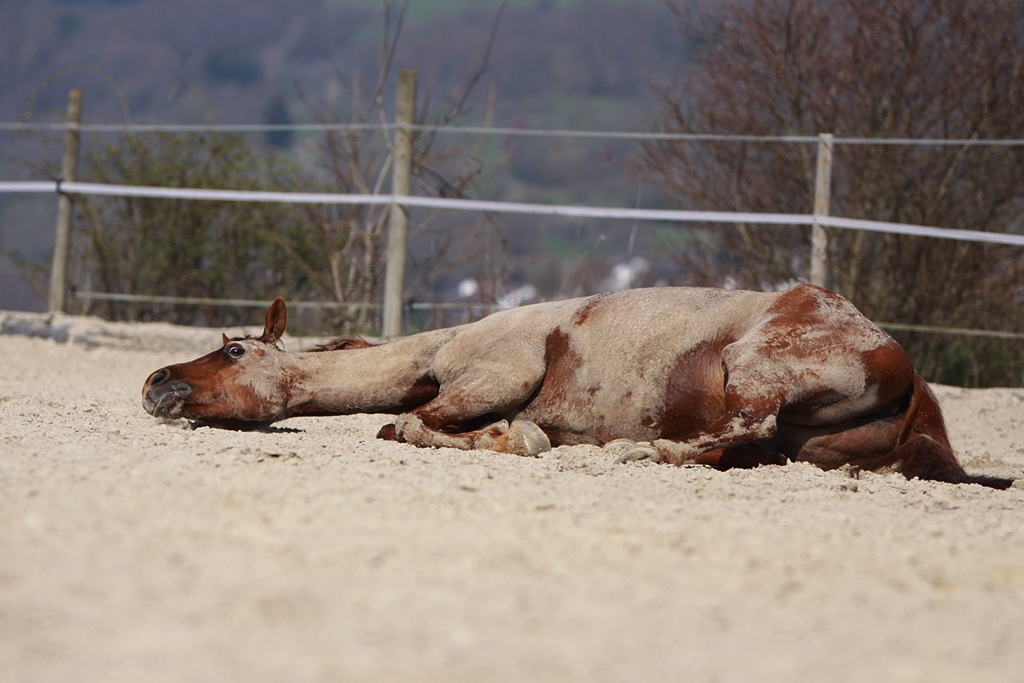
(343, 344)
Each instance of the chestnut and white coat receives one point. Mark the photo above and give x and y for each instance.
(690, 375)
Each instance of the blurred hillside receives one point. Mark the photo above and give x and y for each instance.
(231, 60)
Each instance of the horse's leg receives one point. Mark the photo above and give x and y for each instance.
(521, 438)
(865, 443)
(443, 421)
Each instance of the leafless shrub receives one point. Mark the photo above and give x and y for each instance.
(898, 69)
(359, 161)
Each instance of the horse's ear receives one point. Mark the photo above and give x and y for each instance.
(224, 339)
(277, 318)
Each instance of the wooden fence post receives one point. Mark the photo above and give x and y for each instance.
(65, 206)
(394, 273)
(822, 192)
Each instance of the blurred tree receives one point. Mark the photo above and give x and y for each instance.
(230, 66)
(894, 69)
(358, 161)
(193, 248)
(276, 113)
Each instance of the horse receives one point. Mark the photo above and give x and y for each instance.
(687, 376)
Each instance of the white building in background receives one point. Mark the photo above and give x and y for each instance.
(626, 275)
(517, 297)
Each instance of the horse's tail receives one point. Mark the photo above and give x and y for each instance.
(922, 448)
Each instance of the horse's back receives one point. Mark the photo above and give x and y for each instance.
(665, 362)
(631, 332)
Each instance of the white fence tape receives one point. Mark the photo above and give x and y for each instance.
(514, 207)
(30, 186)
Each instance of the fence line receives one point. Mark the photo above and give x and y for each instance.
(491, 130)
(906, 327)
(569, 211)
(818, 218)
(496, 207)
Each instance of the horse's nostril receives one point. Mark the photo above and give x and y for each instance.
(159, 377)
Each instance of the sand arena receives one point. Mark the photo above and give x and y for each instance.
(137, 549)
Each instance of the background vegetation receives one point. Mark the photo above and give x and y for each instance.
(896, 69)
(191, 249)
(906, 68)
(321, 61)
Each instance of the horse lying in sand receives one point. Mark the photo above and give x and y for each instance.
(691, 376)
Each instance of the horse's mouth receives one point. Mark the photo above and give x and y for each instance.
(168, 402)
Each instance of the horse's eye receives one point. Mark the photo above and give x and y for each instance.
(236, 351)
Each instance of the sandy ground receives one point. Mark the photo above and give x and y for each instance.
(133, 549)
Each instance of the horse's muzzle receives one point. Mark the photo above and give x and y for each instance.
(162, 397)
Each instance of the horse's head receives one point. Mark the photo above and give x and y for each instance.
(242, 385)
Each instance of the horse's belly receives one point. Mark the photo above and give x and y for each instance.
(582, 415)
(658, 402)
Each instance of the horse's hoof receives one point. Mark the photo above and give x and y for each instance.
(526, 438)
(642, 451)
(616, 445)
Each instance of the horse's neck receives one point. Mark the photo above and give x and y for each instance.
(375, 379)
